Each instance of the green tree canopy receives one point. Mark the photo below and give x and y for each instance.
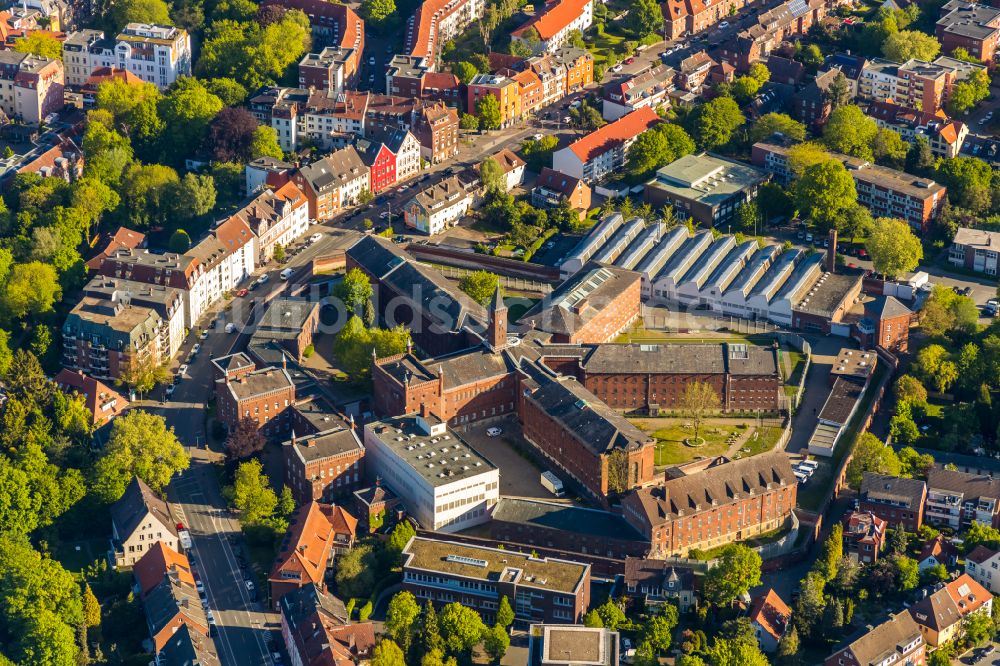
(712, 124)
(40, 44)
(645, 18)
(400, 618)
(893, 247)
(461, 628)
(824, 190)
(354, 290)
(737, 570)
(252, 494)
(140, 444)
(657, 147)
(252, 54)
(377, 11)
(140, 11)
(782, 123)
(871, 455)
(488, 110)
(480, 286)
(851, 132)
(908, 44)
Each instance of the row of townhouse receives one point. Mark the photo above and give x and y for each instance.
(138, 307)
(782, 23)
(332, 121)
(551, 27)
(157, 54)
(543, 80)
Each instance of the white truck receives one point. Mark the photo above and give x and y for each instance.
(552, 483)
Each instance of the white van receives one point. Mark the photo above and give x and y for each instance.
(287, 273)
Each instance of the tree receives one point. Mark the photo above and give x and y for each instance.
(279, 252)
(140, 444)
(229, 90)
(387, 653)
(809, 608)
(264, 143)
(140, 11)
(252, 494)
(737, 570)
(788, 647)
(488, 110)
(465, 71)
(801, 156)
(695, 400)
(851, 132)
(496, 642)
(967, 94)
(480, 286)
(186, 110)
(468, 122)
(180, 242)
(31, 289)
(978, 628)
(659, 146)
(839, 91)
(945, 311)
(401, 535)
(377, 11)
(355, 575)
(461, 628)
(909, 389)
(146, 190)
(611, 615)
(429, 633)
(824, 190)
(748, 216)
(593, 619)
(40, 44)
(832, 553)
(436, 658)
(909, 44)
(245, 439)
(365, 611)
(889, 148)
(907, 573)
(781, 123)
(645, 18)
(505, 614)
(968, 181)
(253, 54)
(744, 89)
(659, 629)
(91, 607)
(712, 124)
(230, 135)
(492, 177)
(871, 455)
(913, 464)
(903, 430)
(354, 290)
(893, 247)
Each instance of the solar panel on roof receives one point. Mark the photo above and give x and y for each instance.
(798, 7)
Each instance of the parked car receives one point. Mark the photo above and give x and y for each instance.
(183, 369)
(230, 327)
(263, 279)
(170, 390)
(724, 24)
(242, 292)
(494, 432)
(285, 274)
(196, 349)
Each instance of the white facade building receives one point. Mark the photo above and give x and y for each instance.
(554, 24)
(444, 483)
(276, 217)
(157, 54)
(439, 206)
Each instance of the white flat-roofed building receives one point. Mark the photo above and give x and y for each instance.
(444, 483)
(157, 54)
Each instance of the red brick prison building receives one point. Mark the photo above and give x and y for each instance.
(726, 502)
(324, 465)
(263, 395)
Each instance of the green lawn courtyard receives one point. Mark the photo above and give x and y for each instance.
(720, 435)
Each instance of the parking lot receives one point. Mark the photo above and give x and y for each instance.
(519, 477)
(984, 656)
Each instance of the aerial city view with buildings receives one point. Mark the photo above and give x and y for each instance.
(454, 332)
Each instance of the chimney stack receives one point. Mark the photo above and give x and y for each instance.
(831, 253)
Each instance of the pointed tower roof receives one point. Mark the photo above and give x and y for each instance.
(496, 303)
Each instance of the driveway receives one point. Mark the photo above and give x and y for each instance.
(824, 353)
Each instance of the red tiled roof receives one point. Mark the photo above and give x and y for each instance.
(159, 561)
(555, 18)
(341, 521)
(771, 613)
(306, 547)
(102, 74)
(979, 554)
(103, 402)
(123, 238)
(624, 129)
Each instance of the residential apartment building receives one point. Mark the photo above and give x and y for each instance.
(656, 582)
(506, 91)
(973, 27)
(552, 188)
(436, 128)
(694, 71)
(864, 536)
(707, 188)
(106, 338)
(941, 615)
(166, 301)
(898, 640)
(202, 275)
(102, 402)
(332, 24)
(263, 171)
(956, 499)
(812, 105)
(983, 565)
(157, 54)
(332, 69)
(31, 87)
(885, 192)
(264, 396)
(139, 519)
(579, 64)
(943, 135)
(539, 589)
(414, 78)
(333, 183)
(434, 23)
(551, 26)
(649, 88)
(512, 166)
(602, 152)
(316, 629)
(84, 52)
(783, 23)
(896, 500)
(438, 207)
(394, 160)
(915, 84)
(444, 483)
(324, 465)
(687, 17)
(975, 250)
(723, 503)
(276, 217)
